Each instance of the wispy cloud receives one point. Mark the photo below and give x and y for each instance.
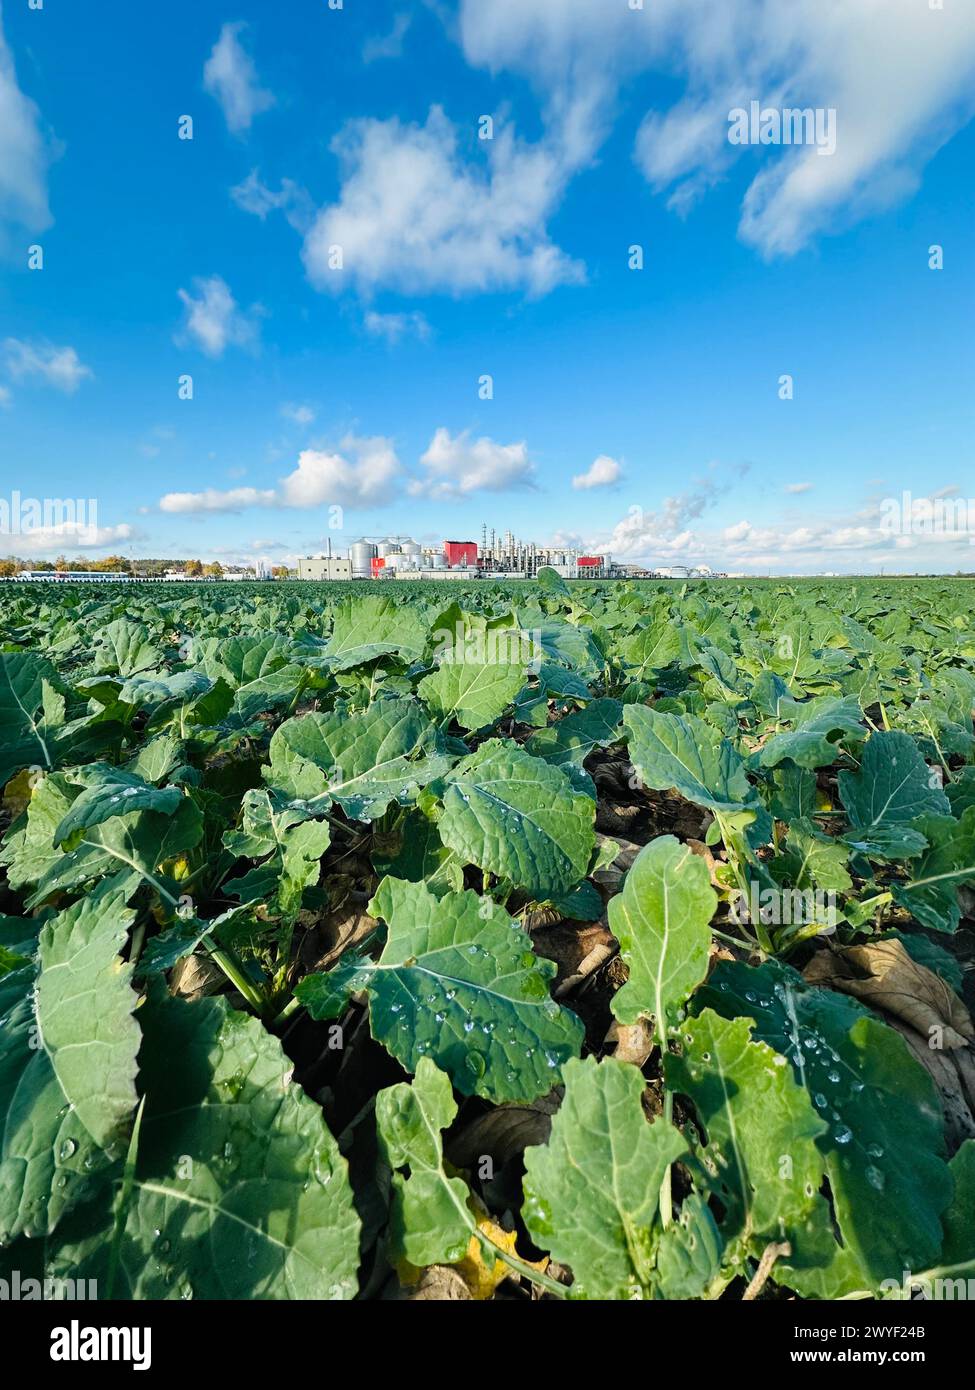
(213, 319)
(230, 76)
(395, 327)
(26, 151)
(388, 45)
(60, 367)
(298, 414)
(899, 75)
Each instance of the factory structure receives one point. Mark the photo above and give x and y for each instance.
(496, 556)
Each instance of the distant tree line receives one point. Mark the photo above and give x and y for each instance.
(121, 564)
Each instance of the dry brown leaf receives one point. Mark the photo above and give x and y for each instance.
(953, 1073)
(332, 935)
(439, 1283)
(194, 977)
(923, 1008)
(634, 1041)
(883, 975)
(503, 1132)
(569, 945)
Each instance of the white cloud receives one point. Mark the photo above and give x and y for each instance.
(214, 320)
(230, 76)
(394, 327)
(236, 499)
(25, 154)
(6, 396)
(414, 217)
(60, 367)
(457, 466)
(388, 45)
(298, 414)
(602, 472)
(863, 543)
(256, 197)
(898, 72)
(796, 488)
(363, 472)
(69, 535)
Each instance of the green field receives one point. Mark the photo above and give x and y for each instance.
(591, 940)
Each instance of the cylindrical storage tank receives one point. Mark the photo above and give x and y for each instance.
(439, 562)
(361, 556)
(397, 561)
(414, 550)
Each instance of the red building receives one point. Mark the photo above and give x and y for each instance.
(591, 561)
(460, 552)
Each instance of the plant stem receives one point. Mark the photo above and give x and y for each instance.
(237, 978)
(666, 1200)
(544, 1281)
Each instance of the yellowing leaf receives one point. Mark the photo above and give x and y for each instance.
(481, 1279)
(17, 793)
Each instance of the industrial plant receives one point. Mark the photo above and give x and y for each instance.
(496, 556)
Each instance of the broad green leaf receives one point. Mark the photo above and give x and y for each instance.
(892, 789)
(812, 859)
(760, 1126)
(591, 1193)
(551, 581)
(67, 1066)
(457, 982)
(112, 791)
(363, 761)
(138, 844)
(961, 791)
(651, 648)
(572, 739)
(239, 1191)
(661, 920)
(371, 627)
(475, 694)
(429, 1222)
(26, 740)
(516, 816)
(931, 892)
(683, 753)
(819, 726)
(884, 1141)
(959, 1219)
(125, 647)
(689, 1253)
(295, 842)
(159, 688)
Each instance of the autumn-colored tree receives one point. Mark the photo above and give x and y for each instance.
(61, 564)
(193, 568)
(213, 570)
(279, 571)
(8, 568)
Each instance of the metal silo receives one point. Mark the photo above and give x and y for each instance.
(362, 555)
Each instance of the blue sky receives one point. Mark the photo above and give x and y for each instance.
(634, 410)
